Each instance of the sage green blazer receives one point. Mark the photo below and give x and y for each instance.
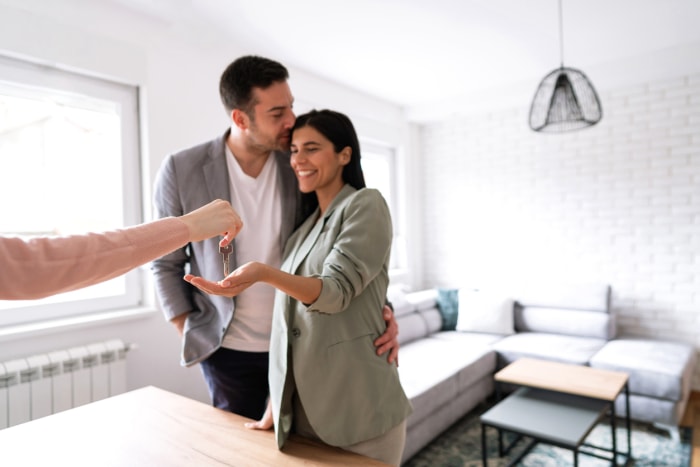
(349, 393)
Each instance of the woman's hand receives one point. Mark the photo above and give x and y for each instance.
(265, 423)
(234, 283)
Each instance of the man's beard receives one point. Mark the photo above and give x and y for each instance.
(281, 142)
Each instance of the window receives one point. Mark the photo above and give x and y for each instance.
(379, 167)
(69, 163)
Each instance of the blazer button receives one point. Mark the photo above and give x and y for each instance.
(296, 332)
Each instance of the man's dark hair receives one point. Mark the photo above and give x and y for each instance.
(244, 74)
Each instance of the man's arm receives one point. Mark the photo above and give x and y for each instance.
(389, 341)
(173, 294)
(179, 323)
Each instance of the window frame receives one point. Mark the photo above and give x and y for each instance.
(67, 84)
(372, 148)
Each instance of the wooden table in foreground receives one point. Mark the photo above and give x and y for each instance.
(153, 427)
(580, 386)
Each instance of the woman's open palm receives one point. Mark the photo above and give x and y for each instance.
(231, 285)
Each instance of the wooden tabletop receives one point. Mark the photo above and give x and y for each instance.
(564, 377)
(153, 427)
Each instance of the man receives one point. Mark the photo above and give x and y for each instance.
(248, 165)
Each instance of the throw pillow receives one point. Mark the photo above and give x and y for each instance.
(484, 311)
(448, 306)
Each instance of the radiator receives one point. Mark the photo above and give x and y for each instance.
(44, 384)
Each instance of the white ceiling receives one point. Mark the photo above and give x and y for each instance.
(417, 52)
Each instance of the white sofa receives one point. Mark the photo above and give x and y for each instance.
(446, 372)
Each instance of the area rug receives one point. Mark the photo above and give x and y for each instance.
(460, 446)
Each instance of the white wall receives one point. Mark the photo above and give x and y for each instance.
(618, 202)
(177, 70)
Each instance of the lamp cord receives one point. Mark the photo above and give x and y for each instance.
(561, 36)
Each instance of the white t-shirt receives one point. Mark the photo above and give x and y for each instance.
(258, 202)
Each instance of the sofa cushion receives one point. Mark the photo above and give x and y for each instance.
(484, 311)
(652, 409)
(411, 327)
(582, 296)
(556, 347)
(470, 339)
(418, 324)
(584, 323)
(434, 370)
(423, 299)
(432, 318)
(656, 368)
(396, 294)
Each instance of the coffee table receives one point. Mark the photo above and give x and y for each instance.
(559, 404)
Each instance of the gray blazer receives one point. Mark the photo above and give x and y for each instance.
(186, 181)
(349, 393)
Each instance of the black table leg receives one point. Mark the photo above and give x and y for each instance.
(484, 457)
(501, 452)
(613, 428)
(627, 421)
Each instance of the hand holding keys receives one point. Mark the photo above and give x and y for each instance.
(226, 252)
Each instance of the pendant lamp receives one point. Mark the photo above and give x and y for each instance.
(565, 99)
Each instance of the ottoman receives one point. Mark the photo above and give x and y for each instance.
(660, 377)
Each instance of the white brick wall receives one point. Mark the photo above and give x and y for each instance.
(618, 202)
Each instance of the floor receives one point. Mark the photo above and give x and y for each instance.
(692, 419)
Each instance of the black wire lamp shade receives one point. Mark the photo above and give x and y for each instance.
(564, 101)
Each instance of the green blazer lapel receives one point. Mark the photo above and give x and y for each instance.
(308, 234)
(309, 231)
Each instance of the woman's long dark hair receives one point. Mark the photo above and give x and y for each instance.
(339, 130)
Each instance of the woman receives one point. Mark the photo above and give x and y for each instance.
(44, 266)
(326, 382)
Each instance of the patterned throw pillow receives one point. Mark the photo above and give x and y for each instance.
(448, 305)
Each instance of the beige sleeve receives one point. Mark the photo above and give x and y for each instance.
(46, 266)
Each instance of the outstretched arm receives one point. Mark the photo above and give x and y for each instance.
(304, 289)
(44, 266)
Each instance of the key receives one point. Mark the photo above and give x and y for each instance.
(226, 252)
